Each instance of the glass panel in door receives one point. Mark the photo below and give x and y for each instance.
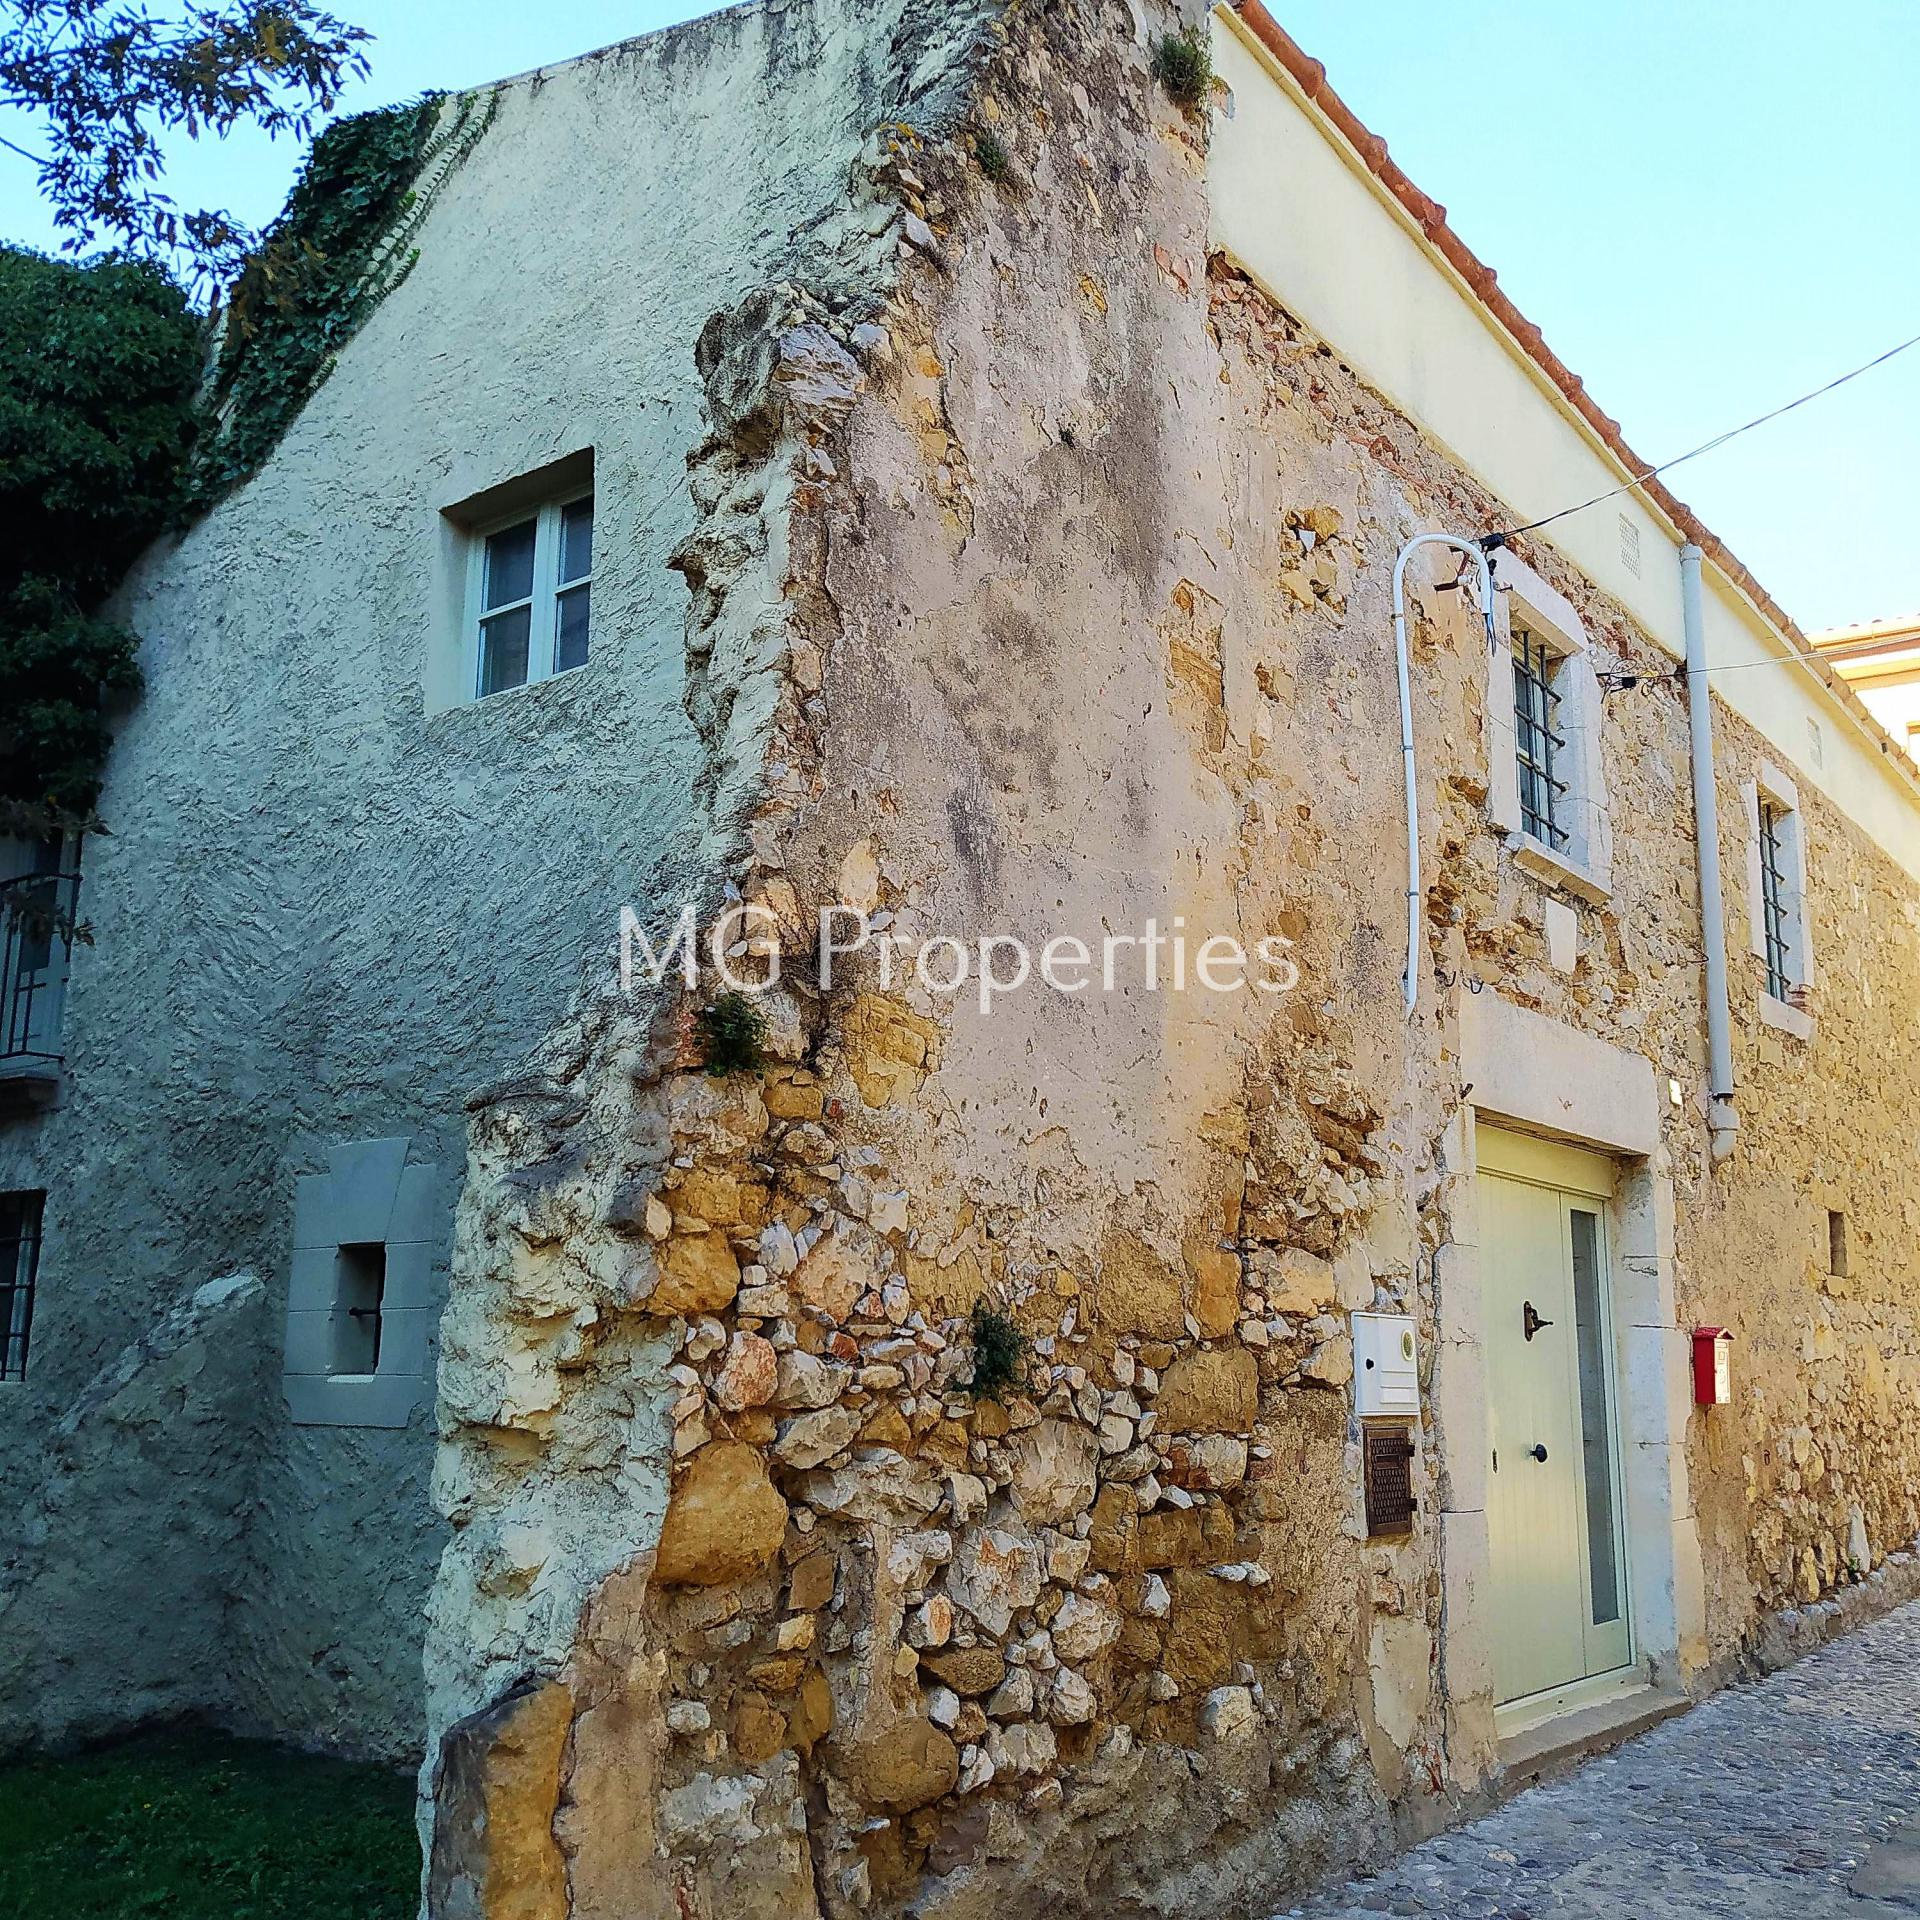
(1606, 1634)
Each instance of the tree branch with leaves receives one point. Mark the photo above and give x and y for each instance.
(107, 81)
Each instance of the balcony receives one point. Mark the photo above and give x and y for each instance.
(36, 947)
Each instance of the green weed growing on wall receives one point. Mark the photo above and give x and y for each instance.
(733, 1035)
(1183, 64)
(999, 1352)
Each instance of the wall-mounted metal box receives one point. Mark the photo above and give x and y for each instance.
(1712, 1367)
(1386, 1366)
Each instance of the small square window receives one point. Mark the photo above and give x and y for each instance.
(530, 595)
(20, 1217)
(359, 1296)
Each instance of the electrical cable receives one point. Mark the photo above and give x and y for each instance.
(1707, 446)
(1779, 660)
(1625, 679)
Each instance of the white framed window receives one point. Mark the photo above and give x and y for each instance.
(530, 594)
(1777, 933)
(1546, 784)
(39, 907)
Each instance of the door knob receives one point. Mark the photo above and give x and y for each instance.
(1538, 1451)
(1530, 1322)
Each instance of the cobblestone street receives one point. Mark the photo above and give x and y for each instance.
(1798, 1796)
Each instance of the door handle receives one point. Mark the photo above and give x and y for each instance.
(1530, 1322)
(1538, 1451)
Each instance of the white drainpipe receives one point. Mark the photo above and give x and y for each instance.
(1722, 1120)
(1410, 981)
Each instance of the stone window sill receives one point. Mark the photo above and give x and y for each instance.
(1532, 856)
(1786, 1017)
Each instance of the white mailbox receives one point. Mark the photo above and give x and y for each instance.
(1386, 1368)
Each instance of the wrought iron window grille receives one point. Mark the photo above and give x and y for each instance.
(1773, 899)
(1538, 743)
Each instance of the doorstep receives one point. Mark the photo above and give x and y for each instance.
(1548, 1746)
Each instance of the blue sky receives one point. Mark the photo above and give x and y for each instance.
(1708, 207)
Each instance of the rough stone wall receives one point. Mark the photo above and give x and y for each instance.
(1048, 592)
(882, 1628)
(1813, 1482)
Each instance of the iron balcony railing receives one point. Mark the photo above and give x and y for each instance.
(36, 948)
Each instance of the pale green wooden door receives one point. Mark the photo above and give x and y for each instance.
(1553, 1511)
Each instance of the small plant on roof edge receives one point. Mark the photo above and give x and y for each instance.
(733, 1035)
(999, 1352)
(1183, 64)
(991, 155)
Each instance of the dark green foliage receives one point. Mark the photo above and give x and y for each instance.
(57, 668)
(999, 1352)
(335, 252)
(1183, 64)
(98, 365)
(990, 151)
(733, 1035)
(199, 1827)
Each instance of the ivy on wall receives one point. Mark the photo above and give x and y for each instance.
(98, 369)
(343, 243)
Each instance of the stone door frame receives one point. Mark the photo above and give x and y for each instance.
(1523, 1070)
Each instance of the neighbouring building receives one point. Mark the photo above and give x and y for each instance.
(894, 459)
(1880, 661)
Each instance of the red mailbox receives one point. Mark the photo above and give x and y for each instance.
(1712, 1367)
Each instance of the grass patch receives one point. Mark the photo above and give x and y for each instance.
(991, 156)
(733, 1035)
(1183, 64)
(196, 1826)
(999, 1352)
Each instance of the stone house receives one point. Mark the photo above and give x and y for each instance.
(961, 491)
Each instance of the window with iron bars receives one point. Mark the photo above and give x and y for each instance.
(1538, 745)
(1773, 898)
(20, 1215)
